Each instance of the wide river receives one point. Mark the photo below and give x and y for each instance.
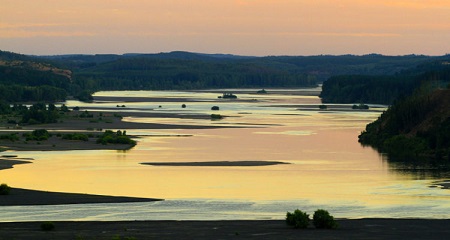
(327, 167)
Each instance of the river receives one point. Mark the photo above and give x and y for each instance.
(327, 167)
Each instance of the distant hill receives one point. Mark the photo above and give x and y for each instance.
(24, 78)
(320, 67)
(414, 128)
(79, 74)
(385, 89)
(186, 70)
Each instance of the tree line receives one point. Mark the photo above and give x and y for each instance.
(384, 89)
(157, 74)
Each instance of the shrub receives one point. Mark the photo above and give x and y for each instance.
(323, 107)
(118, 137)
(323, 219)
(262, 91)
(76, 137)
(37, 135)
(298, 219)
(216, 116)
(360, 106)
(4, 189)
(47, 226)
(11, 137)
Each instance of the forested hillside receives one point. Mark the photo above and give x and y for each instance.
(417, 126)
(52, 78)
(150, 73)
(24, 78)
(184, 70)
(384, 89)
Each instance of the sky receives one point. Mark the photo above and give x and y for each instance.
(242, 27)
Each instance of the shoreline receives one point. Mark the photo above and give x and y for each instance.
(230, 229)
(24, 197)
(8, 163)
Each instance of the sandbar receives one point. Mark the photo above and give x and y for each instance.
(20, 197)
(6, 163)
(216, 164)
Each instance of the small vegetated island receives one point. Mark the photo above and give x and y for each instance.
(39, 115)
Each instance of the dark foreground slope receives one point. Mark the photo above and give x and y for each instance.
(263, 229)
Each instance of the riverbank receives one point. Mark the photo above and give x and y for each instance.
(236, 229)
(21, 197)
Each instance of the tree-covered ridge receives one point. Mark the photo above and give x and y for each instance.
(80, 75)
(182, 70)
(417, 126)
(150, 73)
(320, 67)
(24, 79)
(384, 89)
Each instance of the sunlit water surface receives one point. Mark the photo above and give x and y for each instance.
(327, 167)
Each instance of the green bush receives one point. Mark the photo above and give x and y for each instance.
(37, 135)
(323, 219)
(118, 137)
(360, 106)
(4, 189)
(47, 226)
(298, 219)
(76, 137)
(11, 137)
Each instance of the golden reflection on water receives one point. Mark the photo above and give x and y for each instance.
(327, 164)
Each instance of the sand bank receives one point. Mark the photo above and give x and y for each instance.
(6, 163)
(19, 197)
(216, 164)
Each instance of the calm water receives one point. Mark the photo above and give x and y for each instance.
(328, 167)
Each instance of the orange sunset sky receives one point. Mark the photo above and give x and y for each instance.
(244, 27)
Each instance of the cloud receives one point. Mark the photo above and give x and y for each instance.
(26, 25)
(418, 4)
(28, 34)
(27, 30)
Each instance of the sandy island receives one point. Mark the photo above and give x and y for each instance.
(21, 197)
(7, 163)
(215, 164)
(18, 196)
